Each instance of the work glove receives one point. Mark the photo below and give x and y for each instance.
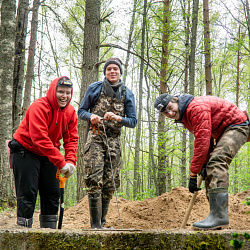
(68, 169)
(192, 186)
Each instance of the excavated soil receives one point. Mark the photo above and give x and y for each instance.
(164, 212)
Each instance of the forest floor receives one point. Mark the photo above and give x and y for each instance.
(164, 212)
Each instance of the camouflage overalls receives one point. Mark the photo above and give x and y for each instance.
(97, 168)
(226, 148)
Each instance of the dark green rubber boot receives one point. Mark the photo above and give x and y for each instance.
(218, 217)
(105, 208)
(95, 209)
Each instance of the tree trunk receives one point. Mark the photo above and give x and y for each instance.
(236, 167)
(89, 75)
(130, 41)
(19, 61)
(192, 66)
(152, 165)
(247, 15)
(31, 57)
(163, 88)
(206, 22)
(184, 133)
(7, 51)
(139, 117)
(193, 46)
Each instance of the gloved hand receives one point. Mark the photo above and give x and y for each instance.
(68, 169)
(192, 186)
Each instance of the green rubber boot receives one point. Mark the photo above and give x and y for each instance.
(95, 209)
(218, 217)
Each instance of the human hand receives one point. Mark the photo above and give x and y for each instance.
(94, 119)
(112, 116)
(192, 186)
(68, 169)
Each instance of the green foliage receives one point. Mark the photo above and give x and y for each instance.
(236, 242)
(247, 203)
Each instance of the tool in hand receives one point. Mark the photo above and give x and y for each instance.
(62, 181)
(191, 203)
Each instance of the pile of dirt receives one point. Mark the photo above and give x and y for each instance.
(164, 212)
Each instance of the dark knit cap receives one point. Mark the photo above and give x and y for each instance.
(65, 81)
(113, 60)
(162, 101)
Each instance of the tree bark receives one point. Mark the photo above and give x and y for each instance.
(31, 57)
(7, 51)
(130, 41)
(163, 88)
(186, 14)
(19, 61)
(207, 47)
(89, 75)
(192, 65)
(139, 116)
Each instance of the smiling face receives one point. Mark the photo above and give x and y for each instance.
(63, 95)
(172, 111)
(113, 73)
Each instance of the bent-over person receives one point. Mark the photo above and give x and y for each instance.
(220, 129)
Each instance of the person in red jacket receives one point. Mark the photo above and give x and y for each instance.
(35, 153)
(210, 119)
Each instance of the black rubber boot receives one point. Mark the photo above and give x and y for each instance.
(24, 222)
(95, 209)
(105, 207)
(218, 217)
(48, 221)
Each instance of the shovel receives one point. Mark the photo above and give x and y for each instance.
(62, 181)
(191, 203)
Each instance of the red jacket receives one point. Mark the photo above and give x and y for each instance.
(206, 117)
(45, 124)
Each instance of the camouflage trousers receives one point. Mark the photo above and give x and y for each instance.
(221, 157)
(98, 174)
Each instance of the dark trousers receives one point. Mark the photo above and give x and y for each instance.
(35, 173)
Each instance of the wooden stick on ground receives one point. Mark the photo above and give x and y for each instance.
(191, 203)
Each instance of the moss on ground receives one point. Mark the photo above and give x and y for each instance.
(54, 239)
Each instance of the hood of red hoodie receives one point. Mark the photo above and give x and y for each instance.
(51, 94)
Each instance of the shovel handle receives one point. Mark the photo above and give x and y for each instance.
(61, 179)
(191, 203)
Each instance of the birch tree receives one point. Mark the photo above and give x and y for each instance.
(7, 49)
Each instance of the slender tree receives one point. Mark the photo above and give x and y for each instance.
(186, 16)
(139, 116)
(19, 61)
(207, 47)
(31, 56)
(192, 65)
(163, 89)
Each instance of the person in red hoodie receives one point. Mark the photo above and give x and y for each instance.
(35, 153)
(210, 119)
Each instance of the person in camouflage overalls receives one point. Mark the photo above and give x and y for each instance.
(107, 105)
(220, 129)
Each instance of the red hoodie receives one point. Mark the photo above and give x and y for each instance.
(45, 124)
